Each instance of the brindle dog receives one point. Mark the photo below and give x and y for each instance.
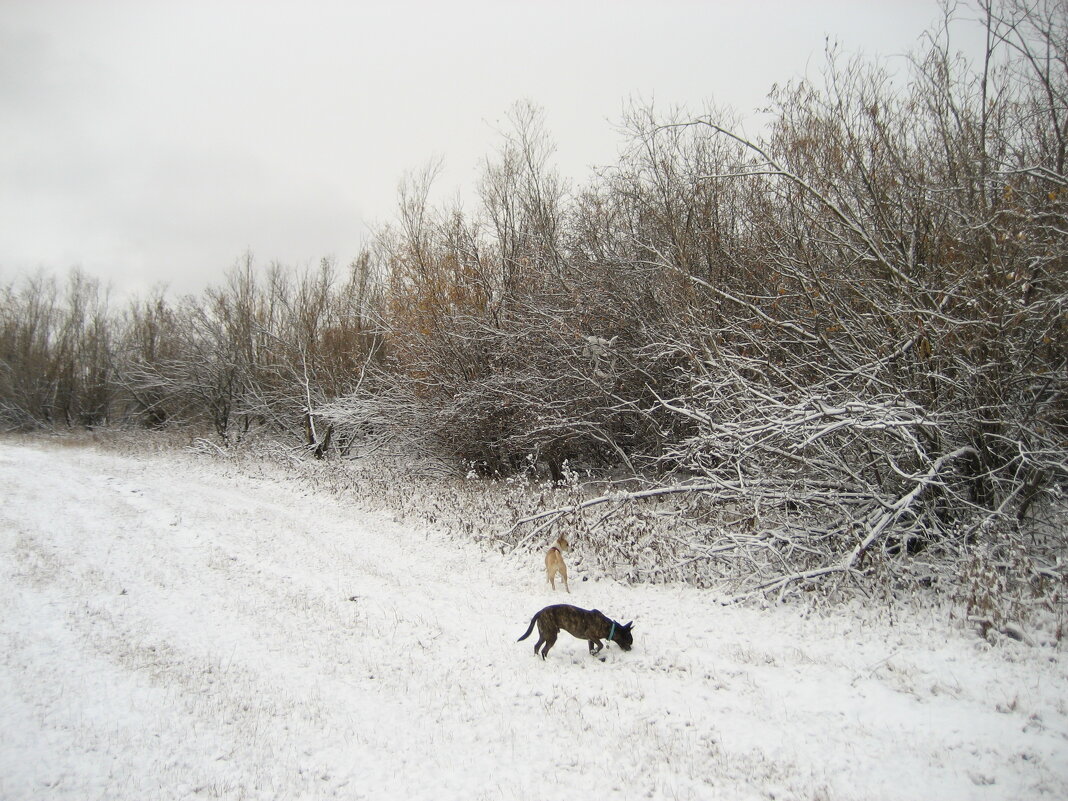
(582, 623)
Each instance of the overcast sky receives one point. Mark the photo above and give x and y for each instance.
(156, 142)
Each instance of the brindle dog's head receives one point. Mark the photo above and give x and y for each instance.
(622, 637)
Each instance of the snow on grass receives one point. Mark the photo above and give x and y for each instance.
(171, 628)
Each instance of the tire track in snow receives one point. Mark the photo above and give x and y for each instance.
(144, 633)
(183, 600)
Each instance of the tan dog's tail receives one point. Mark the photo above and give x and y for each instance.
(530, 628)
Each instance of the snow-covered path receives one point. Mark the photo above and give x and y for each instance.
(171, 629)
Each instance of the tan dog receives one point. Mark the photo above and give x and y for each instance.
(554, 562)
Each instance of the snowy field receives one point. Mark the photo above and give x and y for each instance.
(171, 629)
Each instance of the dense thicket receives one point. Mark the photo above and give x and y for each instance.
(849, 329)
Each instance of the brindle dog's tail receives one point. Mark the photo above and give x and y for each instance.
(530, 628)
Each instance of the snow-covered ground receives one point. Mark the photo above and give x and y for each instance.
(170, 628)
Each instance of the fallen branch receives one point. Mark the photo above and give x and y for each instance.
(847, 564)
(556, 514)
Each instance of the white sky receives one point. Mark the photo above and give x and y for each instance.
(155, 142)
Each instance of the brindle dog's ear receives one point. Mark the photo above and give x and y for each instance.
(629, 626)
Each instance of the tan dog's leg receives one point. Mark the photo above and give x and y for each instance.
(554, 565)
(550, 567)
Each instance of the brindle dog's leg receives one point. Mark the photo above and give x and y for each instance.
(548, 636)
(595, 644)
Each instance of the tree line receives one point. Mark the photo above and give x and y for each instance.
(854, 322)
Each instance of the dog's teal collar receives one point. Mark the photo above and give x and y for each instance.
(612, 631)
